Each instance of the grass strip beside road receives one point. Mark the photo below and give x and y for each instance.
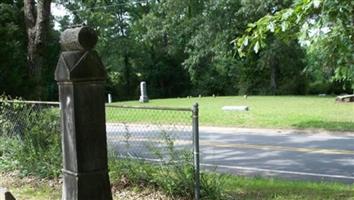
(236, 188)
(275, 189)
(300, 112)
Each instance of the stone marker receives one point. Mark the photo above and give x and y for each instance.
(6, 195)
(345, 98)
(109, 98)
(235, 108)
(81, 75)
(143, 93)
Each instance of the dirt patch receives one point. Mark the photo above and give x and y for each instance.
(12, 180)
(30, 188)
(146, 194)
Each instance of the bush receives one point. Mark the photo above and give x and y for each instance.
(173, 174)
(176, 181)
(30, 140)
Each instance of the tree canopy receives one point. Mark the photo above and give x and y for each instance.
(184, 48)
(325, 27)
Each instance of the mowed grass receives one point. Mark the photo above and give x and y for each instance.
(247, 188)
(265, 112)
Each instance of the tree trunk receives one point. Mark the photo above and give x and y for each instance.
(37, 14)
(127, 75)
(273, 76)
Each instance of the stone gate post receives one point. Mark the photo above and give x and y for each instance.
(81, 75)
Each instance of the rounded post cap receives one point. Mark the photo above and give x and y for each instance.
(78, 38)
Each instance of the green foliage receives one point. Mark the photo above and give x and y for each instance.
(325, 27)
(182, 48)
(30, 140)
(176, 180)
(173, 173)
(12, 48)
(15, 78)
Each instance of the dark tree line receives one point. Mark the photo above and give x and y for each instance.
(180, 48)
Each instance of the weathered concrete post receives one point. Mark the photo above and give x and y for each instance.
(143, 93)
(81, 75)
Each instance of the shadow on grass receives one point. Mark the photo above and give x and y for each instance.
(328, 125)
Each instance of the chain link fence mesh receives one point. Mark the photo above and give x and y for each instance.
(157, 134)
(149, 133)
(153, 134)
(18, 117)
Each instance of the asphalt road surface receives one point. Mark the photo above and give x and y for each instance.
(290, 154)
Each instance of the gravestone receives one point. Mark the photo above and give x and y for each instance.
(235, 108)
(345, 98)
(81, 75)
(109, 98)
(143, 93)
(6, 195)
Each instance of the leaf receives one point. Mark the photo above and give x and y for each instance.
(271, 26)
(245, 42)
(256, 47)
(284, 26)
(316, 3)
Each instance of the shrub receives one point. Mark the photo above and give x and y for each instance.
(30, 140)
(173, 174)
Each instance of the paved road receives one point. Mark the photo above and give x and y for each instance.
(304, 155)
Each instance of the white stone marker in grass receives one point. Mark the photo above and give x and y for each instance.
(143, 93)
(109, 98)
(235, 108)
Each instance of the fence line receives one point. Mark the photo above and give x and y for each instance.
(148, 107)
(141, 132)
(107, 105)
(32, 102)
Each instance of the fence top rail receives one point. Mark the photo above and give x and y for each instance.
(107, 105)
(31, 102)
(149, 107)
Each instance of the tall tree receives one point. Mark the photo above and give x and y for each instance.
(37, 18)
(12, 49)
(327, 24)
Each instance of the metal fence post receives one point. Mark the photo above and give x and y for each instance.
(195, 127)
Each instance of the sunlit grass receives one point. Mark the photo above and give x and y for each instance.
(265, 112)
(234, 187)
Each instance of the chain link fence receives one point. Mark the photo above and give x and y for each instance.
(150, 133)
(19, 117)
(156, 134)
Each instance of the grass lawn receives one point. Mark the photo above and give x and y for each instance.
(265, 112)
(235, 187)
(273, 189)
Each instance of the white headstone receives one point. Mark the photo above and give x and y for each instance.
(235, 108)
(109, 98)
(143, 93)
